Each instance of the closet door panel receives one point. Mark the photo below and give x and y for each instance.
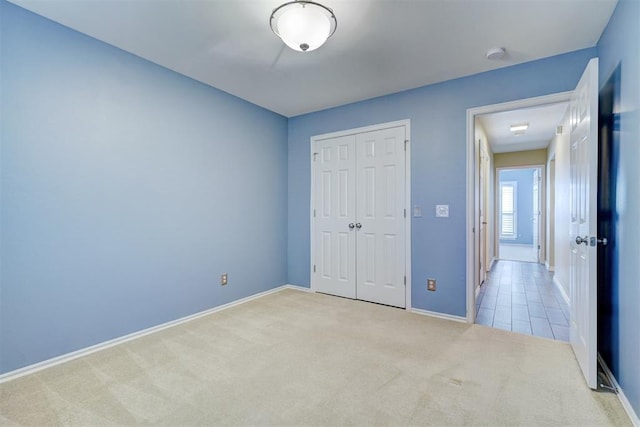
(380, 246)
(334, 198)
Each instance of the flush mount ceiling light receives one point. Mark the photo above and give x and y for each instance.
(303, 25)
(522, 126)
(519, 129)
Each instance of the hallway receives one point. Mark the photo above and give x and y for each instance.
(521, 297)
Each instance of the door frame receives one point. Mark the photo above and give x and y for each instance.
(484, 195)
(473, 190)
(542, 207)
(407, 195)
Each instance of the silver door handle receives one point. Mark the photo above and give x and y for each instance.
(602, 241)
(352, 226)
(358, 225)
(584, 240)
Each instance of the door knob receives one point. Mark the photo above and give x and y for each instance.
(351, 225)
(584, 240)
(358, 225)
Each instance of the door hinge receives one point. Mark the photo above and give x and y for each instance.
(314, 268)
(314, 213)
(406, 141)
(405, 213)
(405, 280)
(314, 156)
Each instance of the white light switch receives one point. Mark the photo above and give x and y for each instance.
(417, 211)
(442, 211)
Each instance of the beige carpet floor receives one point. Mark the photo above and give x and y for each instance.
(298, 358)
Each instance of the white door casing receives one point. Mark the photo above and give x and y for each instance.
(583, 222)
(535, 214)
(380, 211)
(334, 193)
(359, 237)
(483, 221)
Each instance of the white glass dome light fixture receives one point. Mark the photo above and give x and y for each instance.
(303, 25)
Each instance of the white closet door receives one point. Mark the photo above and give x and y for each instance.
(380, 235)
(334, 187)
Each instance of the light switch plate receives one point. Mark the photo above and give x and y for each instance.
(442, 211)
(417, 211)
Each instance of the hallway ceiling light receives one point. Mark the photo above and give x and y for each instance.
(303, 25)
(519, 129)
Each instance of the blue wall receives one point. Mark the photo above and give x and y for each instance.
(438, 165)
(619, 51)
(127, 190)
(524, 202)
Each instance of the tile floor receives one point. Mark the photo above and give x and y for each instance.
(521, 297)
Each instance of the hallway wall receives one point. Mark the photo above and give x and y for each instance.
(619, 51)
(559, 149)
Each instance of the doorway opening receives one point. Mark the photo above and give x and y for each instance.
(575, 147)
(513, 287)
(519, 213)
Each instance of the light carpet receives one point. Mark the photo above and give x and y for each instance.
(298, 358)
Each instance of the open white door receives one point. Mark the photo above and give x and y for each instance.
(535, 215)
(583, 221)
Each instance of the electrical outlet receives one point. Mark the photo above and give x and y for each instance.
(223, 279)
(431, 284)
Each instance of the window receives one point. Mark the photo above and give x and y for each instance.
(508, 226)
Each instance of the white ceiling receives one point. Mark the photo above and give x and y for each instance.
(542, 122)
(380, 46)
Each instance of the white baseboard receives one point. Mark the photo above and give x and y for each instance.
(549, 267)
(565, 297)
(439, 315)
(493, 259)
(635, 420)
(296, 287)
(11, 375)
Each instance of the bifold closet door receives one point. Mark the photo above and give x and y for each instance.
(335, 201)
(380, 233)
(359, 240)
